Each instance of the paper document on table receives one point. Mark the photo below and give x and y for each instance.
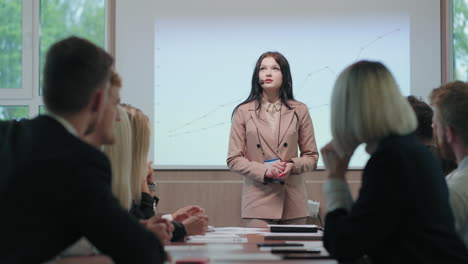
(268, 249)
(218, 235)
(246, 257)
(288, 245)
(240, 230)
(294, 236)
(312, 244)
(308, 244)
(217, 238)
(208, 247)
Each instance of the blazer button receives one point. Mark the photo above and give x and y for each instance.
(258, 145)
(285, 144)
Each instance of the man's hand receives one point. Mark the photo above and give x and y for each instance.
(161, 227)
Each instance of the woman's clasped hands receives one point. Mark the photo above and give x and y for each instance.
(279, 170)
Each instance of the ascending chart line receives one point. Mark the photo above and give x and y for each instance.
(176, 131)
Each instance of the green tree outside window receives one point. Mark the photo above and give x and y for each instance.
(10, 112)
(10, 43)
(63, 18)
(460, 39)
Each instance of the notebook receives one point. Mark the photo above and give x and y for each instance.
(294, 236)
(293, 228)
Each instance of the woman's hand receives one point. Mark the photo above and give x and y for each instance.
(276, 169)
(271, 173)
(196, 225)
(186, 212)
(162, 228)
(287, 170)
(335, 164)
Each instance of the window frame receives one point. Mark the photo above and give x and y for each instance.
(446, 18)
(447, 40)
(28, 94)
(25, 91)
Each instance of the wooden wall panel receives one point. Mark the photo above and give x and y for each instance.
(219, 192)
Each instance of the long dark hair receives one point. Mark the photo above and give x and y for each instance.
(286, 92)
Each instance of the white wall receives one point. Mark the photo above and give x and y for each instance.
(135, 53)
(426, 64)
(135, 33)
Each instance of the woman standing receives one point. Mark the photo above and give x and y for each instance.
(267, 130)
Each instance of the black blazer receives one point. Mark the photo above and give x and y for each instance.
(402, 214)
(55, 189)
(146, 210)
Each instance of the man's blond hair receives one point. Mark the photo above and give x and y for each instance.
(451, 100)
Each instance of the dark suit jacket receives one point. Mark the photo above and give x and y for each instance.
(54, 189)
(402, 214)
(145, 210)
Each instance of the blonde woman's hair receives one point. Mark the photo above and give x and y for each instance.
(141, 133)
(120, 156)
(367, 106)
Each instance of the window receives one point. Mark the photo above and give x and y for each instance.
(15, 52)
(14, 112)
(60, 19)
(10, 44)
(24, 42)
(42, 110)
(460, 39)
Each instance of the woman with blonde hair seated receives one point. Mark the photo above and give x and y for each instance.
(128, 156)
(402, 213)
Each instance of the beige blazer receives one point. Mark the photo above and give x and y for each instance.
(252, 142)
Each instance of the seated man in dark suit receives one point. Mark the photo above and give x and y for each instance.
(54, 187)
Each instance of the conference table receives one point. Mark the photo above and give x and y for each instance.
(240, 245)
